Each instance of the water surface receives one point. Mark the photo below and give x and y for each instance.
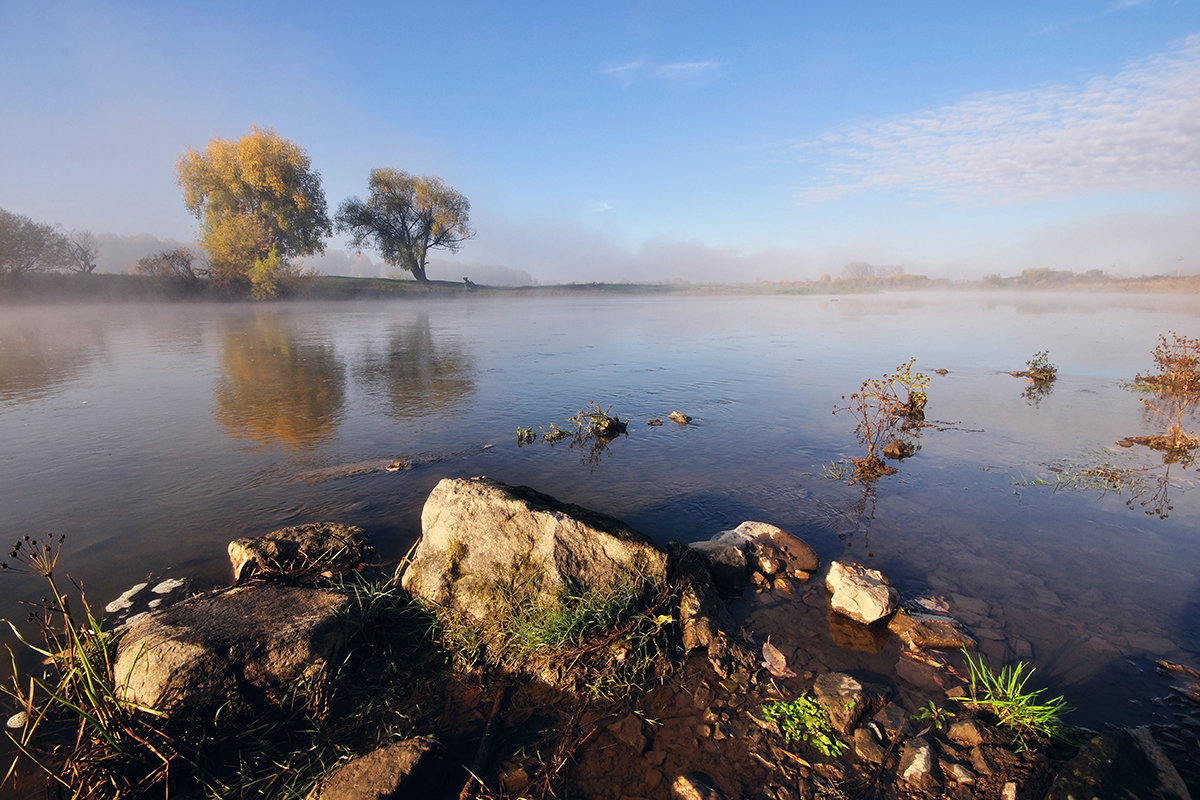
(153, 434)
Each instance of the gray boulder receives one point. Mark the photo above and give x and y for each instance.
(408, 769)
(314, 546)
(203, 651)
(862, 594)
(918, 764)
(480, 537)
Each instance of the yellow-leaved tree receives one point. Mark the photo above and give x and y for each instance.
(260, 204)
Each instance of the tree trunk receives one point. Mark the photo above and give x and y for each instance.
(418, 272)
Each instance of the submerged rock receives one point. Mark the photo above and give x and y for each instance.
(299, 548)
(922, 631)
(479, 536)
(1122, 763)
(860, 593)
(210, 648)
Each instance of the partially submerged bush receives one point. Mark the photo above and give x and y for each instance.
(1039, 368)
(881, 406)
(1176, 390)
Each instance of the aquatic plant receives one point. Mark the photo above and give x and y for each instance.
(1039, 368)
(115, 749)
(804, 720)
(881, 406)
(1176, 392)
(1003, 694)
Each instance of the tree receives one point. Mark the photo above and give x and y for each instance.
(405, 216)
(28, 246)
(169, 266)
(79, 252)
(259, 203)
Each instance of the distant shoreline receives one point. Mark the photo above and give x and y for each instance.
(114, 288)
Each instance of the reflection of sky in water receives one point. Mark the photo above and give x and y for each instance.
(153, 435)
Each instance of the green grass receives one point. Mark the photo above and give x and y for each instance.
(804, 720)
(1031, 719)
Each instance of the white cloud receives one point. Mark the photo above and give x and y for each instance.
(1138, 130)
(631, 71)
(686, 69)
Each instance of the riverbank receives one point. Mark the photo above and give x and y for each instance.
(112, 288)
(476, 669)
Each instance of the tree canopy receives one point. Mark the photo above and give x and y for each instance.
(405, 216)
(28, 246)
(260, 204)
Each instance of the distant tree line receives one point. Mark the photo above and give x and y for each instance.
(27, 246)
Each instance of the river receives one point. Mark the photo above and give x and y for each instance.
(151, 435)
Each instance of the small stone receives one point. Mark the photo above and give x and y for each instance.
(155, 603)
(679, 417)
(862, 594)
(918, 767)
(924, 631)
(655, 421)
(628, 730)
(1009, 792)
(656, 757)
(17, 720)
(695, 786)
(958, 773)
(867, 746)
(965, 733)
(843, 698)
(168, 586)
(898, 449)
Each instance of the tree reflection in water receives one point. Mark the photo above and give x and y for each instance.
(417, 375)
(278, 388)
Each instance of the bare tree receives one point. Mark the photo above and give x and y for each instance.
(79, 252)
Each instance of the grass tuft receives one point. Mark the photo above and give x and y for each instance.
(1003, 694)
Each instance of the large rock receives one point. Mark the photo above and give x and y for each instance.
(480, 538)
(860, 593)
(408, 769)
(734, 554)
(300, 548)
(205, 650)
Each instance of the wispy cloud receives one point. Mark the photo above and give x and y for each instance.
(1138, 130)
(634, 70)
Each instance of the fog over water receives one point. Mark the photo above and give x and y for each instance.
(153, 434)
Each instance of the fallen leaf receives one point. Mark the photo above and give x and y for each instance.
(774, 661)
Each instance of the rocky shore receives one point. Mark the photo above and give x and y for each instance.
(732, 696)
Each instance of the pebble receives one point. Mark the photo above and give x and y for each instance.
(17, 720)
(169, 585)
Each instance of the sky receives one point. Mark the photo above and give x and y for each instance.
(644, 141)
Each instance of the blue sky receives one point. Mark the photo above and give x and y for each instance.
(646, 141)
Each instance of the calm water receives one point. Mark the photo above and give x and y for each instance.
(152, 435)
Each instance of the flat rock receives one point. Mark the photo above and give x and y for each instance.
(299, 548)
(478, 535)
(862, 594)
(410, 768)
(924, 631)
(203, 651)
(694, 786)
